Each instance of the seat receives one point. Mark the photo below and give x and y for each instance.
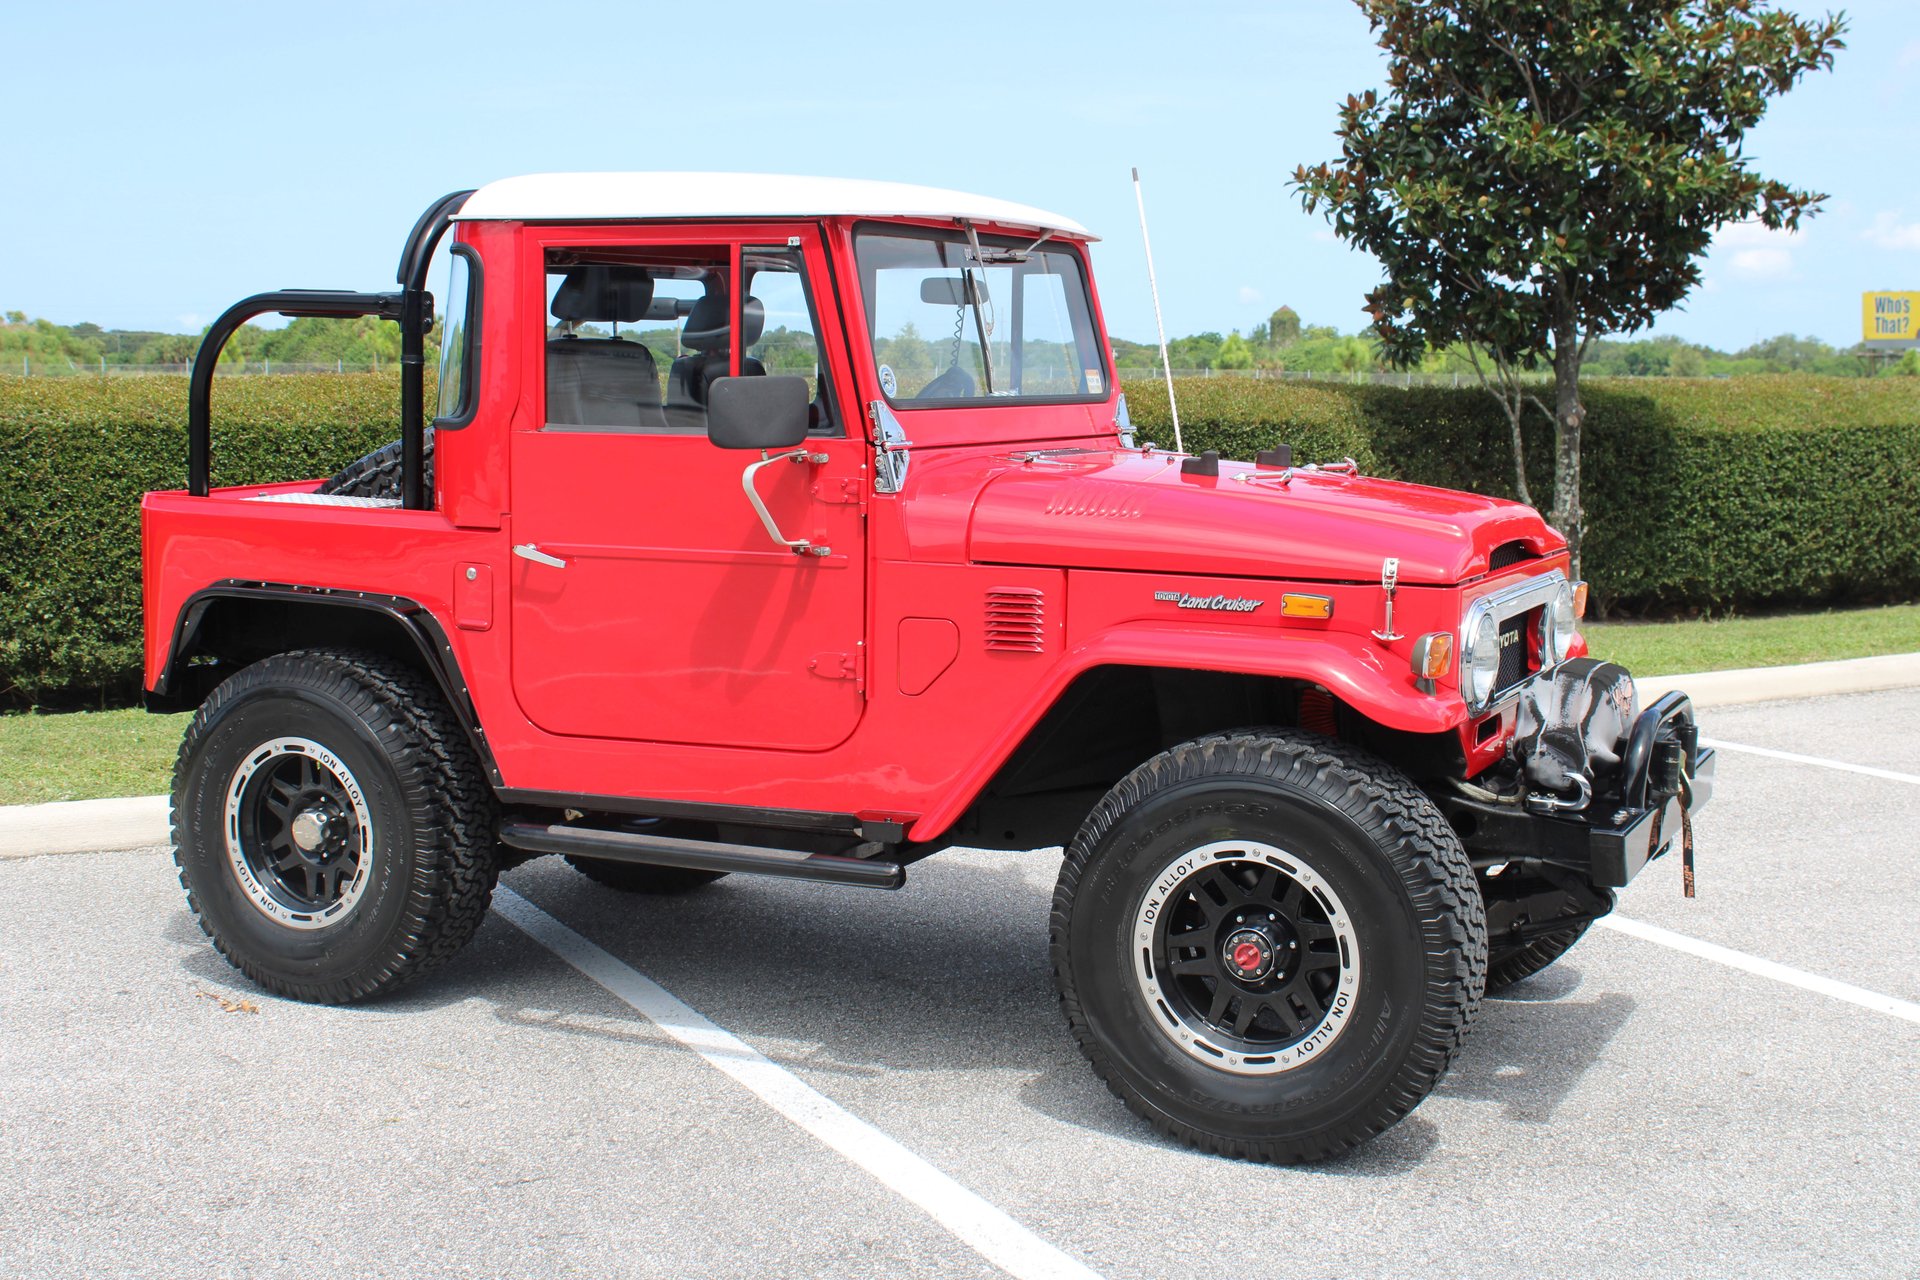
(603, 384)
(708, 334)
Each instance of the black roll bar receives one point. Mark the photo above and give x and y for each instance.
(411, 305)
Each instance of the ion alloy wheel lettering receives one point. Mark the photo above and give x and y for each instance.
(1292, 997)
(285, 789)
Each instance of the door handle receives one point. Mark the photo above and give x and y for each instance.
(527, 551)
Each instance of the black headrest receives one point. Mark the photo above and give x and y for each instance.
(603, 291)
(708, 322)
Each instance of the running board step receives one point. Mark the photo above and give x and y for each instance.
(701, 855)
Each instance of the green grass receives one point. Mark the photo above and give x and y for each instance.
(85, 755)
(1674, 648)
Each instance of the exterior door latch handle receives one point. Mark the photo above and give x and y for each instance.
(527, 551)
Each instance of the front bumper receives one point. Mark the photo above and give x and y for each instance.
(1664, 777)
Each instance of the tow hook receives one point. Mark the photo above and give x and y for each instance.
(1547, 802)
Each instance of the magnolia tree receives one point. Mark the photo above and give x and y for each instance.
(1542, 173)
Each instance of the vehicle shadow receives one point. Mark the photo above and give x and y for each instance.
(1533, 1043)
(950, 974)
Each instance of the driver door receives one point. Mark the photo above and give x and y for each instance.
(648, 600)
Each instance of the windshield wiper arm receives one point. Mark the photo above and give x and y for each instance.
(973, 296)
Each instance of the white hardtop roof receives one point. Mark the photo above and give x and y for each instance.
(601, 197)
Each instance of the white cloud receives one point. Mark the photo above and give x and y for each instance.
(190, 322)
(1763, 264)
(1754, 252)
(1888, 232)
(1248, 295)
(1910, 56)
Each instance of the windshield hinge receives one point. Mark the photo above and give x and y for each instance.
(890, 448)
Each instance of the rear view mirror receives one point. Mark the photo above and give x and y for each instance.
(953, 291)
(757, 413)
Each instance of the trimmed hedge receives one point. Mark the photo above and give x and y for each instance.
(75, 456)
(1700, 495)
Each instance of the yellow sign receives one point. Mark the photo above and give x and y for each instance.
(1890, 317)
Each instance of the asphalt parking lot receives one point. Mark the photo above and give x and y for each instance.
(902, 1098)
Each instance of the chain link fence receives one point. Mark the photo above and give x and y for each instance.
(41, 367)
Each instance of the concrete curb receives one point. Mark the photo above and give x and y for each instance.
(83, 826)
(87, 826)
(1808, 680)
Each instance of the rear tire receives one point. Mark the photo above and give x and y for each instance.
(636, 877)
(1508, 965)
(633, 877)
(331, 825)
(1268, 944)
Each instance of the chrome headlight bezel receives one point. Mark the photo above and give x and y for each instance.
(1487, 613)
(1556, 630)
(1480, 660)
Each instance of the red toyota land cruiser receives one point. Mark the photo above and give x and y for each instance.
(795, 526)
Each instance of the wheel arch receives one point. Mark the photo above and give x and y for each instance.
(1109, 717)
(230, 625)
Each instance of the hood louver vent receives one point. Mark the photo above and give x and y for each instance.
(1098, 498)
(1508, 553)
(1016, 620)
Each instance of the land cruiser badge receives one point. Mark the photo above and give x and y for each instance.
(1218, 604)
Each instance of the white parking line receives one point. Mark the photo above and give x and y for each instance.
(987, 1229)
(1765, 968)
(1822, 761)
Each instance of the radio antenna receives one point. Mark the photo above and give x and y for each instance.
(1154, 285)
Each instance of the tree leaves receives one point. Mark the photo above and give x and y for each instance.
(1545, 172)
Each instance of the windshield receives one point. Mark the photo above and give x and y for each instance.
(948, 329)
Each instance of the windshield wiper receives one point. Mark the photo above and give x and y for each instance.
(973, 296)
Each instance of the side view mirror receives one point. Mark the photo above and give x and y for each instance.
(757, 413)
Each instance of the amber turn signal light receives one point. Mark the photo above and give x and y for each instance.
(1579, 600)
(1433, 655)
(1304, 606)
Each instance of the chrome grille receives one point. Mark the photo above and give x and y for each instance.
(1515, 664)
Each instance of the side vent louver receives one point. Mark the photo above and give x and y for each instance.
(1017, 619)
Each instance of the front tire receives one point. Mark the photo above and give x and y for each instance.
(331, 825)
(1269, 944)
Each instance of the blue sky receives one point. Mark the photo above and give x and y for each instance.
(163, 161)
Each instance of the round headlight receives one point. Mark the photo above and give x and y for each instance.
(1482, 660)
(1556, 627)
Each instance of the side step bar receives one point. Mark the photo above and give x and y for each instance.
(701, 855)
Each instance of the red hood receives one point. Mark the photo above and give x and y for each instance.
(1124, 510)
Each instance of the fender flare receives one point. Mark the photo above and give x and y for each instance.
(1365, 676)
(414, 620)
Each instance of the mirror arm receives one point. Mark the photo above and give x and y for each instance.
(799, 546)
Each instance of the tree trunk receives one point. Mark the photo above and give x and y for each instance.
(1568, 417)
(1514, 410)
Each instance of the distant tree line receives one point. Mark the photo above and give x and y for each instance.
(1281, 342)
(310, 340)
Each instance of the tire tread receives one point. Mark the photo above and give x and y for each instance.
(452, 809)
(1427, 854)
